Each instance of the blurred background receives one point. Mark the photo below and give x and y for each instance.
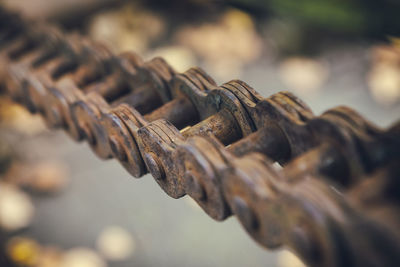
(61, 206)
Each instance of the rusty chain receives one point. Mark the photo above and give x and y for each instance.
(334, 201)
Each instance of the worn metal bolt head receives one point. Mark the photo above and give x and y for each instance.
(244, 213)
(88, 134)
(117, 149)
(54, 117)
(303, 244)
(154, 165)
(193, 186)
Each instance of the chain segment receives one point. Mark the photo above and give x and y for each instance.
(334, 201)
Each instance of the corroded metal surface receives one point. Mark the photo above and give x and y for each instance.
(334, 200)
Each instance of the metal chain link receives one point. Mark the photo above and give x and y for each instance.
(334, 202)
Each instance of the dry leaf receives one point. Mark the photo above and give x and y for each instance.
(82, 257)
(16, 208)
(23, 251)
(115, 243)
(303, 75)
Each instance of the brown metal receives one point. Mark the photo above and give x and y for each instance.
(326, 186)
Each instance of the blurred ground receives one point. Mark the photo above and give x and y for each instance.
(167, 232)
(232, 44)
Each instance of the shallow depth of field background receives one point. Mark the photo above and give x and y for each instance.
(61, 206)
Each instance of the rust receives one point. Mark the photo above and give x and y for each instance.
(326, 186)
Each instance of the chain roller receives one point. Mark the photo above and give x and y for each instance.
(325, 186)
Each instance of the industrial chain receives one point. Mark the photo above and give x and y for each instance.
(327, 186)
